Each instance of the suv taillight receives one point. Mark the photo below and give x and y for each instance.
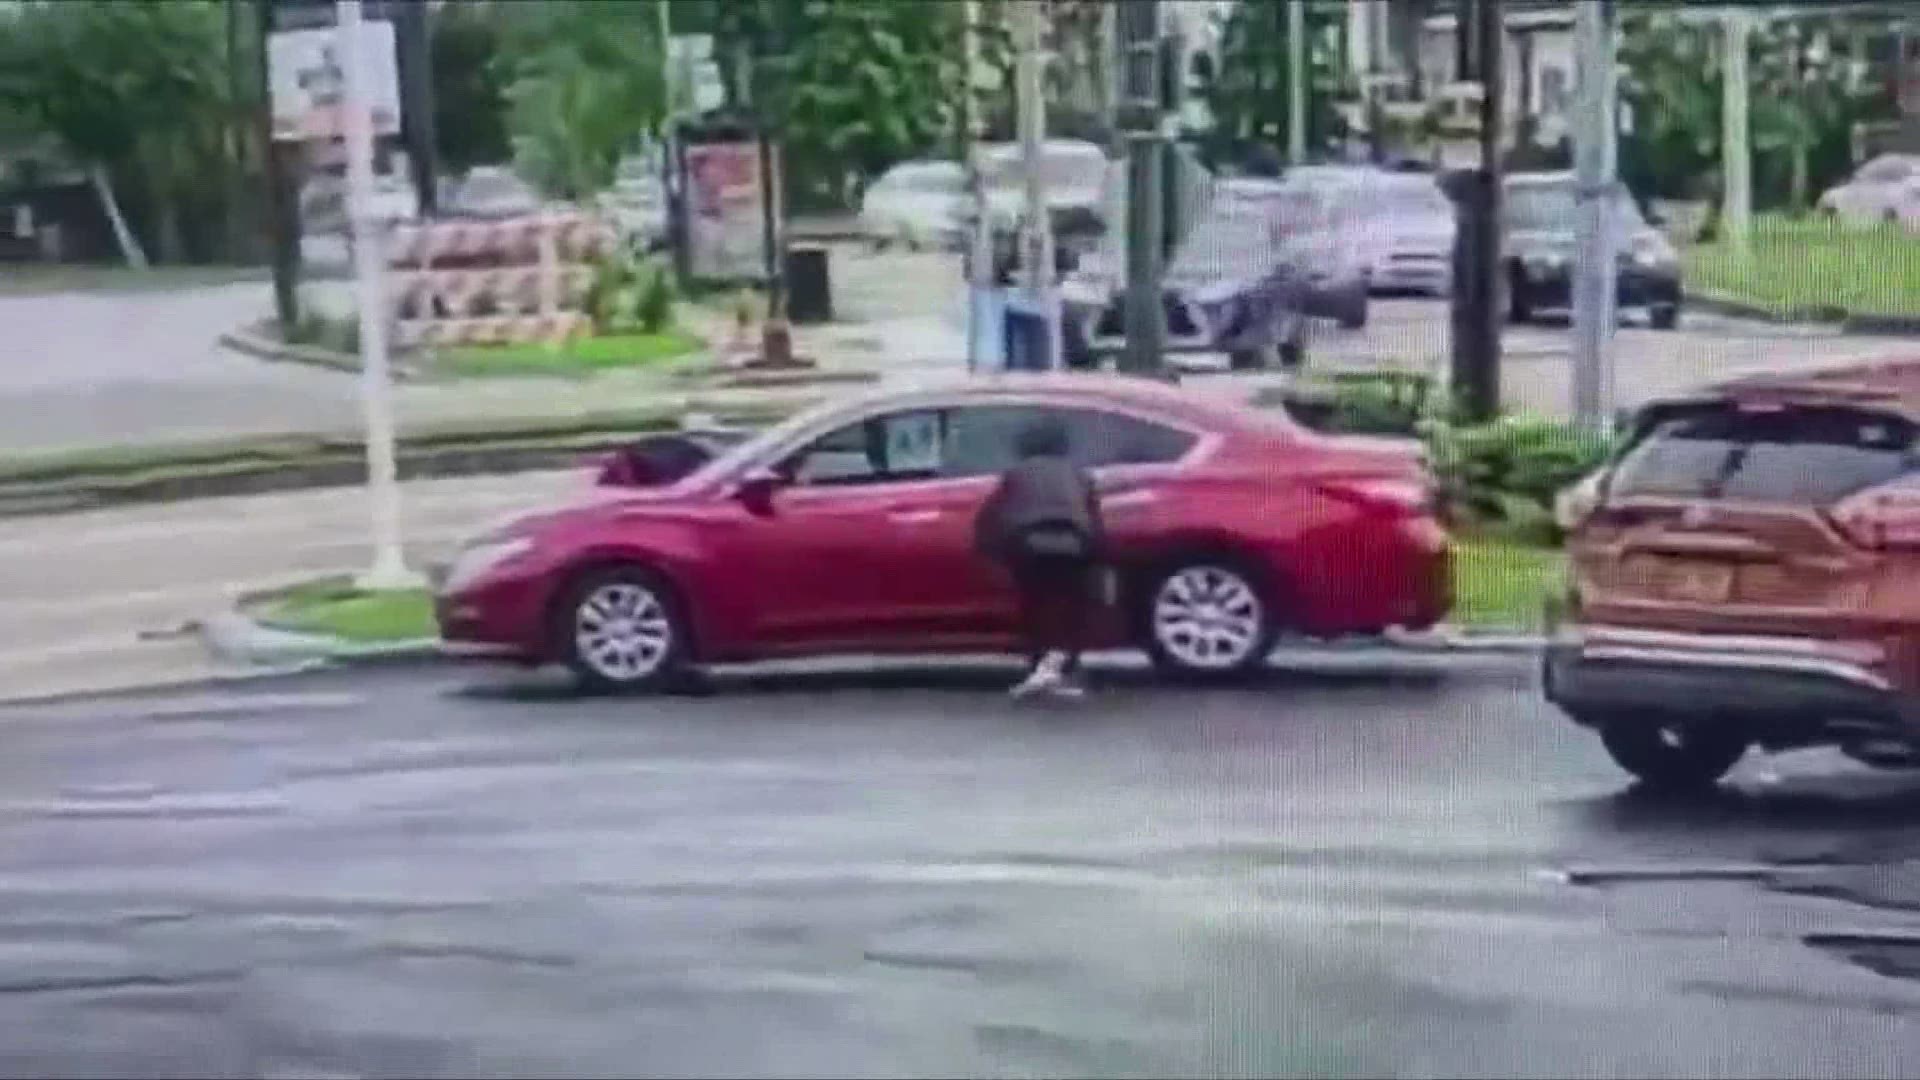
(1883, 518)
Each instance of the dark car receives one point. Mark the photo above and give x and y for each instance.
(1542, 217)
(1257, 263)
(1747, 573)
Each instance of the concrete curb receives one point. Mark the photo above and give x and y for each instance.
(1863, 325)
(255, 342)
(235, 637)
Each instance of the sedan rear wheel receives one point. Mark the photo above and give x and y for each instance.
(623, 632)
(1207, 618)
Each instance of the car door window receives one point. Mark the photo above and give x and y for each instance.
(983, 440)
(1099, 438)
(907, 445)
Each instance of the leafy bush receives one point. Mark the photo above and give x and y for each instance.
(1503, 473)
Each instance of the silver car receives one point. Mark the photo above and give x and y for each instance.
(1409, 226)
(920, 205)
(1884, 189)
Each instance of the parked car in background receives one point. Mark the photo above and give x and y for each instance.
(1407, 227)
(849, 529)
(1747, 573)
(921, 205)
(1327, 229)
(1542, 218)
(1241, 282)
(491, 192)
(1074, 182)
(1885, 189)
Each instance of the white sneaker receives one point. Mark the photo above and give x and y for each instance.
(1044, 678)
(1067, 690)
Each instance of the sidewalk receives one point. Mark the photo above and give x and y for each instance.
(91, 601)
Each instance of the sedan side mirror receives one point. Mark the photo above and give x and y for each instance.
(757, 489)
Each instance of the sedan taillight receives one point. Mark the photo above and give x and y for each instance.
(1395, 495)
(1883, 518)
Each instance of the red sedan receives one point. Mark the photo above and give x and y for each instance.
(849, 529)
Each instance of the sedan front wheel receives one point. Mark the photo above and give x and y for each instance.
(623, 631)
(1206, 618)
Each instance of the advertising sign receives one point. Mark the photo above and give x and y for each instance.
(307, 82)
(725, 219)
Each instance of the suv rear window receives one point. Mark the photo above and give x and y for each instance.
(1795, 455)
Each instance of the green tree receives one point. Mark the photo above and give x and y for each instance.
(583, 87)
(470, 89)
(137, 91)
(1248, 91)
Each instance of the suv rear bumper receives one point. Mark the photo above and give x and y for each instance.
(1789, 690)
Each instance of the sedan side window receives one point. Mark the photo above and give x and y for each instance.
(893, 447)
(1104, 438)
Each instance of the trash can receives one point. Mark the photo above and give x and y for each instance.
(809, 291)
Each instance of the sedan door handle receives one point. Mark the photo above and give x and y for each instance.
(914, 517)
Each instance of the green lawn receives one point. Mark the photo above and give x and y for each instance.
(1815, 268)
(1503, 586)
(580, 357)
(333, 607)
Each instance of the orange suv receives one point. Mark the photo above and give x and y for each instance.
(1746, 572)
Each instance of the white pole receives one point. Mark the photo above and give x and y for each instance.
(1030, 92)
(979, 237)
(1595, 258)
(389, 569)
(1297, 81)
(1736, 205)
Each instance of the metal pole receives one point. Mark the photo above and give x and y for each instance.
(415, 44)
(389, 569)
(1594, 259)
(1477, 280)
(669, 77)
(1030, 93)
(979, 234)
(1297, 82)
(1736, 206)
(283, 212)
(1139, 30)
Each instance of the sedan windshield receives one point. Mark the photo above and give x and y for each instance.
(1551, 208)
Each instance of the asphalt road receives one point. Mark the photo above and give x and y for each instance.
(435, 873)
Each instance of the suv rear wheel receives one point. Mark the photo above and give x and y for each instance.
(1673, 756)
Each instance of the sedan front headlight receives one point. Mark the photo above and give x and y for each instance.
(481, 557)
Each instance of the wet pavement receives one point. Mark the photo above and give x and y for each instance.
(443, 872)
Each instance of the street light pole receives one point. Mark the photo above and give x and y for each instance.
(1138, 26)
(980, 229)
(1030, 90)
(1475, 314)
(389, 569)
(1736, 205)
(1594, 279)
(1296, 82)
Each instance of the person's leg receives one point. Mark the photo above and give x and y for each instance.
(1075, 598)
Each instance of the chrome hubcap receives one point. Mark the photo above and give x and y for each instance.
(622, 632)
(1208, 618)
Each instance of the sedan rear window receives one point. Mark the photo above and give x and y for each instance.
(1796, 455)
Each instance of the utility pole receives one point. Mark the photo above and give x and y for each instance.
(1030, 98)
(1138, 32)
(1477, 279)
(980, 230)
(1595, 278)
(1736, 204)
(412, 37)
(283, 210)
(389, 569)
(1297, 82)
